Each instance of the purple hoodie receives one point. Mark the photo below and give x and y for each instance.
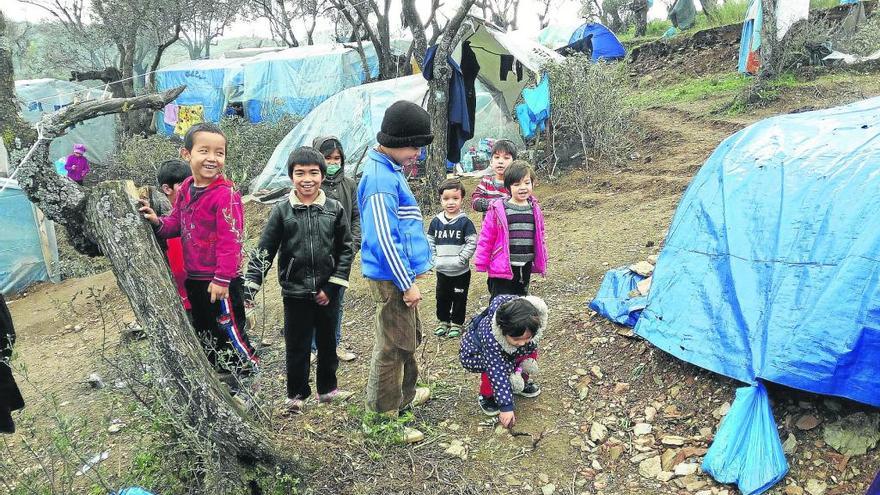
(77, 167)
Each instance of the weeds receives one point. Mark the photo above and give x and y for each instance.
(380, 429)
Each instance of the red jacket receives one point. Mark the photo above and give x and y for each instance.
(211, 229)
(174, 253)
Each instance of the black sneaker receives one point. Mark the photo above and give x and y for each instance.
(489, 406)
(530, 390)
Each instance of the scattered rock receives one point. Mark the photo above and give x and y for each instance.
(706, 432)
(543, 478)
(652, 259)
(548, 489)
(666, 459)
(790, 444)
(641, 457)
(598, 432)
(674, 391)
(695, 485)
(643, 286)
(511, 480)
(685, 469)
(854, 434)
(642, 268)
(807, 422)
(95, 381)
(454, 427)
(78, 328)
(673, 440)
(650, 414)
(626, 332)
(457, 448)
(687, 453)
(816, 487)
(595, 465)
(581, 371)
(794, 490)
(650, 468)
(68, 328)
(116, 428)
(615, 451)
(644, 443)
(721, 411)
(665, 476)
(621, 388)
(642, 429)
(577, 442)
(597, 372)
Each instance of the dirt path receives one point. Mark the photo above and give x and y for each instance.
(592, 371)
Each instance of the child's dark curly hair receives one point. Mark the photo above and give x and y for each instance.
(517, 316)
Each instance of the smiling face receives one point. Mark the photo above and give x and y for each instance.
(450, 200)
(402, 156)
(500, 161)
(520, 191)
(521, 340)
(206, 158)
(307, 181)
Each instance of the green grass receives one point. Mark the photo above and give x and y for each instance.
(693, 90)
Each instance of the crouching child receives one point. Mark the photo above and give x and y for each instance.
(502, 345)
(311, 236)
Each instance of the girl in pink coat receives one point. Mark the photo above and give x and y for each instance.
(511, 245)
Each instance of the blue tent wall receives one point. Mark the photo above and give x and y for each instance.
(209, 83)
(605, 44)
(771, 268)
(28, 250)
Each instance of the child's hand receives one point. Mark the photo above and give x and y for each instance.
(148, 212)
(412, 296)
(321, 298)
(217, 292)
(508, 419)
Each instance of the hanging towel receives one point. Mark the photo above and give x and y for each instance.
(170, 112)
(188, 116)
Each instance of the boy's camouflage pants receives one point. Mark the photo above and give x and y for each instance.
(393, 369)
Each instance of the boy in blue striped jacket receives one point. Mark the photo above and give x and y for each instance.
(394, 253)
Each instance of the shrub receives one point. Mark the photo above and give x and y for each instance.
(589, 102)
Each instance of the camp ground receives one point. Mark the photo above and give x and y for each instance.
(708, 192)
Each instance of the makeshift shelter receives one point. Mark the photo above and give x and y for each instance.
(557, 35)
(363, 108)
(28, 250)
(38, 97)
(597, 40)
(211, 85)
(770, 273)
(296, 80)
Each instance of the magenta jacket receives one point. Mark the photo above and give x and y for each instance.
(493, 247)
(77, 167)
(211, 229)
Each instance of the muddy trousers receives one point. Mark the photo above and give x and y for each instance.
(305, 320)
(393, 368)
(486, 385)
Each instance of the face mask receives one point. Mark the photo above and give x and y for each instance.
(333, 169)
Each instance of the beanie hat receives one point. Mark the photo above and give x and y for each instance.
(405, 124)
(79, 148)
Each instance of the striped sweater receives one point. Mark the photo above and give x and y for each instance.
(489, 189)
(521, 225)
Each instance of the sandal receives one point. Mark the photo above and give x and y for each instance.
(441, 330)
(454, 332)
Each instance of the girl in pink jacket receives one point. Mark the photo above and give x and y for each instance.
(511, 244)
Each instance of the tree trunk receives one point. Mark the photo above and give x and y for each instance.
(435, 165)
(12, 125)
(107, 216)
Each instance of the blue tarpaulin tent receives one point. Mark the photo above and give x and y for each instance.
(213, 84)
(771, 272)
(28, 250)
(596, 39)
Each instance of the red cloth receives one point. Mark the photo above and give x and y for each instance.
(210, 228)
(175, 261)
(486, 385)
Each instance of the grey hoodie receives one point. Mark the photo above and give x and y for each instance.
(453, 243)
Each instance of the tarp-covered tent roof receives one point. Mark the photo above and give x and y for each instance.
(363, 108)
(296, 80)
(490, 44)
(557, 35)
(38, 97)
(596, 39)
(770, 271)
(210, 83)
(28, 250)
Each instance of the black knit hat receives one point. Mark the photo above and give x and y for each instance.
(405, 124)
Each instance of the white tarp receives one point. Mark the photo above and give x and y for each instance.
(38, 97)
(28, 250)
(355, 116)
(789, 12)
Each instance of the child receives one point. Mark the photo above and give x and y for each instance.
(77, 165)
(207, 216)
(511, 244)
(171, 175)
(491, 187)
(343, 189)
(311, 235)
(394, 254)
(503, 347)
(453, 240)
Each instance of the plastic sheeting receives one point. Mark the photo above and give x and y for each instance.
(28, 250)
(38, 97)
(788, 13)
(770, 268)
(746, 449)
(296, 80)
(213, 84)
(750, 40)
(355, 116)
(613, 300)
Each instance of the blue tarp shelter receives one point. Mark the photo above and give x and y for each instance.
(771, 272)
(213, 84)
(296, 80)
(28, 250)
(596, 39)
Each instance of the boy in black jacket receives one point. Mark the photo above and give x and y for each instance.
(311, 235)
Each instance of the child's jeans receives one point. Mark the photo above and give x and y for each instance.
(303, 320)
(518, 286)
(486, 386)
